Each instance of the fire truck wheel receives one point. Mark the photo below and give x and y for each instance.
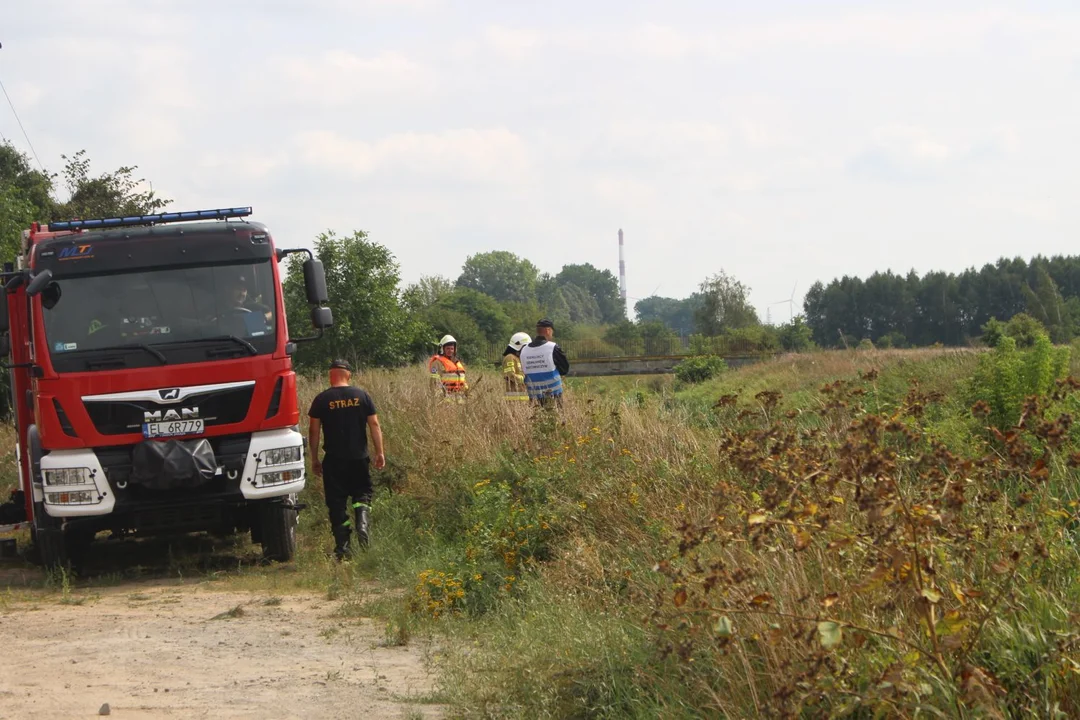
(52, 549)
(58, 548)
(278, 534)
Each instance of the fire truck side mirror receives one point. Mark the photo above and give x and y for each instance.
(322, 318)
(315, 282)
(39, 282)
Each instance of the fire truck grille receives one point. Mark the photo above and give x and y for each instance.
(223, 407)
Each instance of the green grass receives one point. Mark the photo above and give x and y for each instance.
(560, 561)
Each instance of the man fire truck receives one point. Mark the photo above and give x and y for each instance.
(152, 381)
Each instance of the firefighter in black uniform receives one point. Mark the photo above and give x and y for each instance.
(344, 414)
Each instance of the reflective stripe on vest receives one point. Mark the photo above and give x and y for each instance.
(542, 378)
(514, 379)
(451, 373)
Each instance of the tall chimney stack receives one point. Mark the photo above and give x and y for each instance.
(622, 273)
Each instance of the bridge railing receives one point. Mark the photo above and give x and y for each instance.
(593, 349)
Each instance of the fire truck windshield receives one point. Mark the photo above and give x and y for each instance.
(159, 316)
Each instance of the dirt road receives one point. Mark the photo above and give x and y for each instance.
(170, 650)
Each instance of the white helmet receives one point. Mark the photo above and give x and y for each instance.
(447, 340)
(520, 340)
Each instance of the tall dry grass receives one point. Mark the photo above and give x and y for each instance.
(641, 493)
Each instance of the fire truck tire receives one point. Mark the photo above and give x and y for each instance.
(52, 548)
(55, 547)
(278, 526)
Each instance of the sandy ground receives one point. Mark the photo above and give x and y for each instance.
(161, 650)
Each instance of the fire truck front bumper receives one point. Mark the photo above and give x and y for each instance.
(262, 465)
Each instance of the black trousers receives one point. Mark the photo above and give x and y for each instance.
(345, 478)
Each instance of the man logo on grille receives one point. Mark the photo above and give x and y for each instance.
(170, 394)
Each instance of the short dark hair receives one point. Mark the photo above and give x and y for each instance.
(340, 365)
(545, 323)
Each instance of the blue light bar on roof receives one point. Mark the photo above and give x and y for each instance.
(151, 219)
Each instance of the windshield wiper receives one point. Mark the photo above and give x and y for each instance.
(131, 346)
(231, 338)
(215, 338)
(238, 340)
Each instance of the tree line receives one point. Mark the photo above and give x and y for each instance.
(951, 309)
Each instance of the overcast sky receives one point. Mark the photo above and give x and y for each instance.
(783, 142)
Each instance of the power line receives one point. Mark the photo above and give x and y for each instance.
(16, 114)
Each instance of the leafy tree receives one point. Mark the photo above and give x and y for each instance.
(675, 314)
(25, 197)
(445, 321)
(659, 339)
(484, 311)
(523, 317)
(1045, 304)
(501, 275)
(427, 291)
(17, 173)
(725, 306)
(795, 336)
(109, 194)
(601, 285)
(16, 214)
(571, 304)
(623, 333)
(371, 325)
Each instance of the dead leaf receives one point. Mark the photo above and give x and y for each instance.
(830, 633)
(932, 596)
(802, 540)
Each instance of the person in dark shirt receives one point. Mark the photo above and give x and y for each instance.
(544, 364)
(343, 415)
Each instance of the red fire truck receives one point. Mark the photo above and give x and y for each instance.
(152, 381)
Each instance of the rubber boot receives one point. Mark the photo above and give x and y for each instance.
(363, 517)
(342, 551)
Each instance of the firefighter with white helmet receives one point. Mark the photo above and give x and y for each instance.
(513, 375)
(447, 371)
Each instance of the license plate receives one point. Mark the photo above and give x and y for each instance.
(173, 428)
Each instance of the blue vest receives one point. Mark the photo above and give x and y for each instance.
(542, 378)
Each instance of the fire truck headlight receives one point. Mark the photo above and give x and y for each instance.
(74, 497)
(280, 477)
(67, 476)
(280, 456)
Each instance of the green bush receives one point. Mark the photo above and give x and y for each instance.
(993, 331)
(699, 369)
(894, 339)
(1024, 329)
(1006, 376)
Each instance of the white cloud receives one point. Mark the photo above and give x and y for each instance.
(340, 78)
(913, 31)
(486, 155)
(513, 43)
